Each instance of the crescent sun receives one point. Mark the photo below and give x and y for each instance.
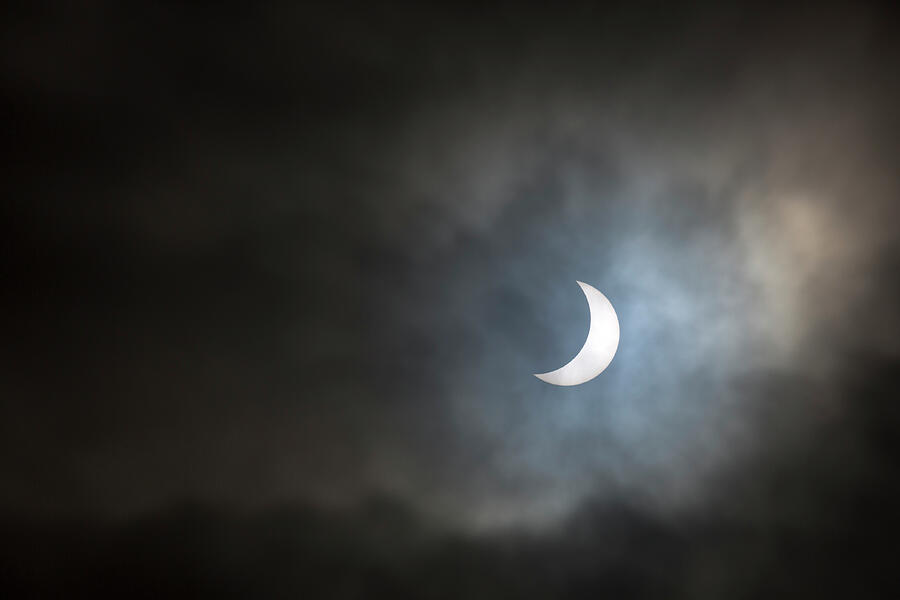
(599, 347)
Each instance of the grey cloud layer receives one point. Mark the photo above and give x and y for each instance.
(342, 267)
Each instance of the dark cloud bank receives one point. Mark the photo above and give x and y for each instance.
(817, 523)
(275, 282)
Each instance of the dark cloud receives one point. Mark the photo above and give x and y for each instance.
(815, 519)
(306, 257)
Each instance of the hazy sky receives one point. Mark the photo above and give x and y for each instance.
(258, 258)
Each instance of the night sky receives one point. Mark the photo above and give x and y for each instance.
(274, 282)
